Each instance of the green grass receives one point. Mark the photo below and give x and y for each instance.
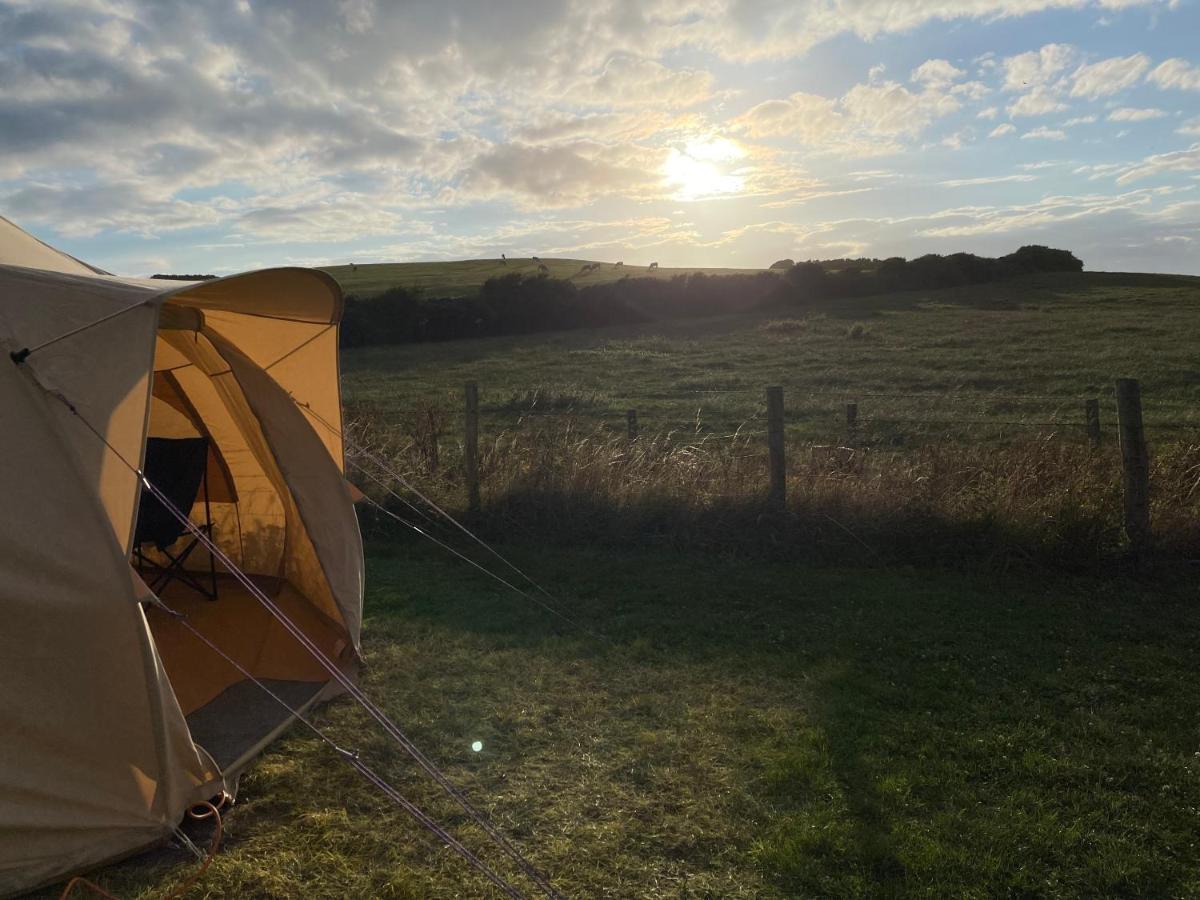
(755, 726)
(746, 731)
(954, 357)
(464, 278)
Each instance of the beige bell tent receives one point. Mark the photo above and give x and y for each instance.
(114, 719)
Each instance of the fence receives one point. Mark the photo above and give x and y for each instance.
(1130, 428)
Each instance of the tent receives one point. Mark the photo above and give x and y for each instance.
(114, 719)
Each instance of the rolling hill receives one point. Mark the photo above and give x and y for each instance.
(463, 278)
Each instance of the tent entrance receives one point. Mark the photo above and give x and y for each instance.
(228, 715)
(251, 514)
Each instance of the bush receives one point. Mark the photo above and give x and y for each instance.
(522, 304)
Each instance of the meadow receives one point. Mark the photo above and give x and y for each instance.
(1029, 349)
(464, 277)
(935, 674)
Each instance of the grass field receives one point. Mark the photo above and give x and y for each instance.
(1028, 350)
(746, 731)
(758, 719)
(464, 278)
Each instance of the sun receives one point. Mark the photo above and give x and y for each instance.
(701, 168)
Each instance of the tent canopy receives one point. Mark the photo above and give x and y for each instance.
(118, 718)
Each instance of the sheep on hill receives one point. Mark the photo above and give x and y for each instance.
(653, 265)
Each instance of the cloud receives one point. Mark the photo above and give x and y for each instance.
(1079, 120)
(891, 109)
(1046, 134)
(1109, 76)
(1002, 130)
(1160, 163)
(868, 119)
(1039, 101)
(1037, 67)
(1129, 114)
(986, 179)
(808, 117)
(630, 81)
(936, 72)
(556, 176)
(1190, 127)
(1176, 73)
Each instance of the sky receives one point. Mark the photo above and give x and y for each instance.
(189, 136)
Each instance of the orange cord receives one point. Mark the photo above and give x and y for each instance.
(212, 812)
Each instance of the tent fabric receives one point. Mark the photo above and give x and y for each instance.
(19, 248)
(98, 760)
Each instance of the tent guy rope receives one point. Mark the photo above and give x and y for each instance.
(405, 483)
(19, 356)
(351, 757)
(322, 659)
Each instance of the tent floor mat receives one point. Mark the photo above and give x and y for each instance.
(237, 719)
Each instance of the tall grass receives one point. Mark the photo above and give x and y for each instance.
(1046, 498)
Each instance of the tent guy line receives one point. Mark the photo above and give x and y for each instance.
(351, 757)
(306, 407)
(19, 356)
(508, 584)
(315, 651)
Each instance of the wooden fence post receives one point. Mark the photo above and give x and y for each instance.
(777, 495)
(1091, 415)
(851, 415)
(631, 420)
(1136, 465)
(471, 446)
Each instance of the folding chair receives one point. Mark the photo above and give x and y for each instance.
(179, 468)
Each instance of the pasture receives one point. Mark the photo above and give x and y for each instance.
(463, 278)
(944, 695)
(744, 731)
(1028, 349)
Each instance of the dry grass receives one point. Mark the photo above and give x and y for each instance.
(1045, 498)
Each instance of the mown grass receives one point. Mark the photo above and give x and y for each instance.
(745, 730)
(463, 278)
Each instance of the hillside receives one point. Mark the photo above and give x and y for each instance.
(1061, 335)
(463, 278)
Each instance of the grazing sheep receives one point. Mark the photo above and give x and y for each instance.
(618, 264)
(535, 259)
(654, 265)
(543, 270)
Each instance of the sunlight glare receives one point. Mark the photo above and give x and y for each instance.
(699, 170)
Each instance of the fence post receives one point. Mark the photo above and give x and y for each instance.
(1136, 465)
(1091, 415)
(851, 415)
(631, 420)
(777, 495)
(471, 446)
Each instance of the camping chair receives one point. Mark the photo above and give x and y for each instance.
(178, 467)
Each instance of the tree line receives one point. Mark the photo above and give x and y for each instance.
(524, 304)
